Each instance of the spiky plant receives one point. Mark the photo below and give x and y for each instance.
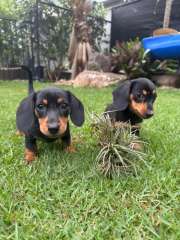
(118, 146)
(127, 57)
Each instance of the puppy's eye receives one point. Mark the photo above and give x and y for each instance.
(40, 106)
(64, 105)
(140, 96)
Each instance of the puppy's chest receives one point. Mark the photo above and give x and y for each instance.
(44, 138)
(127, 116)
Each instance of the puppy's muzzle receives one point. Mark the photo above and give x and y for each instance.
(149, 114)
(53, 128)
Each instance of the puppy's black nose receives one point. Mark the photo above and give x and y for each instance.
(53, 128)
(149, 114)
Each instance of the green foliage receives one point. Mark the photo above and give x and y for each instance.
(13, 43)
(55, 26)
(6, 6)
(97, 21)
(55, 29)
(128, 56)
(131, 58)
(15, 8)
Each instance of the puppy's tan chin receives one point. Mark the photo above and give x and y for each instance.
(139, 114)
(143, 116)
(49, 135)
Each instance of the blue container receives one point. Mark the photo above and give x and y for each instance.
(163, 47)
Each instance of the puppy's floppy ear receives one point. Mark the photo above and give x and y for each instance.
(25, 115)
(121, 96)
(77, 110)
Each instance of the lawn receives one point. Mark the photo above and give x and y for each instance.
(62, 196)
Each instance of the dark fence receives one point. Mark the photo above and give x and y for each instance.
(12, 43)
(41, 39)
(139, 18)
(12, 73)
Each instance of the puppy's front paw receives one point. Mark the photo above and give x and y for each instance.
(19, 133)
(137, 146)
(70, 149)
(30, 156)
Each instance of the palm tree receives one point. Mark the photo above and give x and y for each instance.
(79, 47)
(167, 13)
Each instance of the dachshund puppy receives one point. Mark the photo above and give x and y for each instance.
(44, 114)
(132, 102)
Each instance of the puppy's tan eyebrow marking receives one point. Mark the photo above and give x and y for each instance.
(45, 101)
(145, 92)
(131, 96)
(60, 100)
(36, 113)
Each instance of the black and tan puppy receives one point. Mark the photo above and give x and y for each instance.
(44, 114)
(132, 102)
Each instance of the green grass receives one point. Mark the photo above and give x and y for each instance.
(62, 196)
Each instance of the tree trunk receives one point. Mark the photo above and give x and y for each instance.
(167, 13)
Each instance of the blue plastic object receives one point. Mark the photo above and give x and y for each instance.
(163, 47)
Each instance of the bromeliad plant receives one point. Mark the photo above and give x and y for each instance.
(131, 59)
(127, 57)
(118, 153)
